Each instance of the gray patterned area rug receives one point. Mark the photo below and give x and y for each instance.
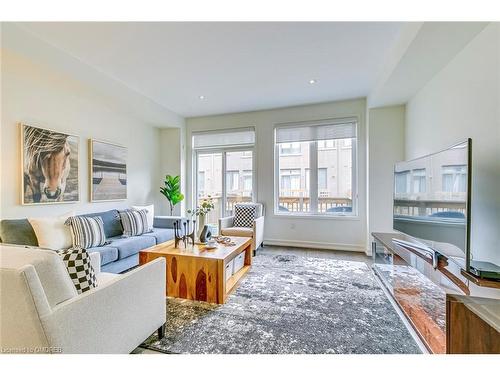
(290, 304)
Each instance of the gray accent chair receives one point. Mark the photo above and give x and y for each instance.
(256, 232)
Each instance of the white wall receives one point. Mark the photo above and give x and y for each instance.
(39, 95)
(172, 162)
(332, 233)
(386, 132)
(463, 101)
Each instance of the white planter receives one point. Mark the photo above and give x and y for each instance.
(201, 224)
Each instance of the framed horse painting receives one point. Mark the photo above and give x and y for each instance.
(108, 171)
(49, 166)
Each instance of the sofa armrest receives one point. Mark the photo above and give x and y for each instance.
(226, 222)
(95, 261)
(167, 221)
(114, 318)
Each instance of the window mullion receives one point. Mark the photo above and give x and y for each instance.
(313, 176)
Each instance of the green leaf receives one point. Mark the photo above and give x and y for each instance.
(171, 190)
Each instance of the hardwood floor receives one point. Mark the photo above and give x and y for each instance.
(317, 253)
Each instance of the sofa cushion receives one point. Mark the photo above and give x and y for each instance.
(17, 232)
(237, 231)
(87, 232)
(161, 234)
(134, 222)
(108, 253)
(128, 246)
(150, 213)
(111, 222)
(51, 232)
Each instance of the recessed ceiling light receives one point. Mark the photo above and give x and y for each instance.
(201, 97)
(313, 81)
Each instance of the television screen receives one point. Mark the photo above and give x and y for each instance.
(431, 200)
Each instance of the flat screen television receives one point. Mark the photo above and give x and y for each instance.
(432, 202)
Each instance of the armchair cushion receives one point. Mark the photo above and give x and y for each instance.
(237, 231)
(244, 215)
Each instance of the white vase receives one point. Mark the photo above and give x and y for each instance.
(201, 224)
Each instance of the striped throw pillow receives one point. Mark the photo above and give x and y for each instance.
(87, 232)
(134, 222)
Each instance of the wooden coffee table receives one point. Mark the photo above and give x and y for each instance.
(198, 273)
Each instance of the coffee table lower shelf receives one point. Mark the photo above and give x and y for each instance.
(234, 280)
(197, 273)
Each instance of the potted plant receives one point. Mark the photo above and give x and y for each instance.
(201, 211)
(172, 191)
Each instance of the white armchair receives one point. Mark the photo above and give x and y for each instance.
(256, 232)
(41, 312)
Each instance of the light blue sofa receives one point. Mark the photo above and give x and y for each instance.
(121, 254)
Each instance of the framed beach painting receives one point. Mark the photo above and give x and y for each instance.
(108, 171)
(49, 162)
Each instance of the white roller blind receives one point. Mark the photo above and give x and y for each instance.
(316, 130)
(224, 138)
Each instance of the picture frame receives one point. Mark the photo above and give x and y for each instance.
(107, 171)
(49, 166)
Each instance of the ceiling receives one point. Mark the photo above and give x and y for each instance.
(236, 66)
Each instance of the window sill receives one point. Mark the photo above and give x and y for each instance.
(316, 216)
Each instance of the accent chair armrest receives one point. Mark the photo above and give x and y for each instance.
(167, 221)
(226, 222)
(258, 232)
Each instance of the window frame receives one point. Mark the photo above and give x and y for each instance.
(313, 176)
(223, 151)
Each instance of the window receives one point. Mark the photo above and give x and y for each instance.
(419, 180)
(223, 169)
(290, 148)
(290, 182)
(247, 182)
(201, 182)
(232, 181)
(454, 178)
(402, 183)
(320, 180)
(322, 145)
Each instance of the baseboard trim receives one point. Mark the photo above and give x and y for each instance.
(315, 245)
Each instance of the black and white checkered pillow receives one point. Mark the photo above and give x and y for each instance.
(87, 232)
(134, 222)
(244, 215)
(77, 262)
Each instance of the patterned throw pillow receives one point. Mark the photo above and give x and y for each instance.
(87, 232)
(244, 215)
(134, 222)
(77, 262)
